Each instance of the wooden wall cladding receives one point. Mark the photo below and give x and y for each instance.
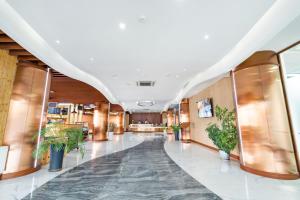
(116, 108)
(221, 93)
(7, 74)
(152, 118)
(65, 89)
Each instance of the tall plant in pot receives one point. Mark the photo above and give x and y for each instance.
(224, 136)
(176, 128)
(60, 139)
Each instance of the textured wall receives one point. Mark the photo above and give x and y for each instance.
(7, 74)
(221, 93)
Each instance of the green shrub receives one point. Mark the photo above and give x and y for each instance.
(175, 128)
(59, 136)
(224, 136)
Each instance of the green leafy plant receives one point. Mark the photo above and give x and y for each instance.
(59, 136)
(224, 136)
(175, 127)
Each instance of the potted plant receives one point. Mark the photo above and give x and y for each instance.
(225, 135)
(176, 128)
(59, 139)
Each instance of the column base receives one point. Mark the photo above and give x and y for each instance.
(270, 174)
(19, 173)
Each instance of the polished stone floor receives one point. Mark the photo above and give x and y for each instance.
(224, 178)
(141, 172)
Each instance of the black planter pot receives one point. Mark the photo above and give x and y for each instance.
(177, 135)
(56, 159)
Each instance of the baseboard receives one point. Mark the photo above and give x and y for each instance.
(232, 156)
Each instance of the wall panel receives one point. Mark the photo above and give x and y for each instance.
(221, 93)
(7, 74)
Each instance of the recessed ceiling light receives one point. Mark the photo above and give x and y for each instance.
(206, 37)
(57, 41)
(122, 26)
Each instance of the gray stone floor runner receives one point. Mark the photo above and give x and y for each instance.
(141, 172)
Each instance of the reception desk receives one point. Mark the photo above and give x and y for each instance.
(145, 128)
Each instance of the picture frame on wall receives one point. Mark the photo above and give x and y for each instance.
(205, 108)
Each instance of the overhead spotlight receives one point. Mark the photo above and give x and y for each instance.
(122, 26)
(206, 37)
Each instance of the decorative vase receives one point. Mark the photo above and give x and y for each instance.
(56, 159)
(176, 135)
(224, 155)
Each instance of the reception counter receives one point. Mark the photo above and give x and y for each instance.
(145, 128)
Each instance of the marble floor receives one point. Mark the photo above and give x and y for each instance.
(223, 178)
(141, 172)
(17, 188)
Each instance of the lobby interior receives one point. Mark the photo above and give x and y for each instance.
(176, 99)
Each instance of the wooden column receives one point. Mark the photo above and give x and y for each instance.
(101, 113)
(185, 120)
(171, 121)
(266, 143)
(119, 129)
(26, 116)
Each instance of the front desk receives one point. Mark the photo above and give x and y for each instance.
(145, 128)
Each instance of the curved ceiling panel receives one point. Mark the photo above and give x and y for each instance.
(113, 44)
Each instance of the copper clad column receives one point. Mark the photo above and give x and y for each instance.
(120, 124)
(26, 116)
(101, 113)
(266, 144)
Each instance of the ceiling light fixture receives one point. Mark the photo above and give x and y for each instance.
(206, 37)
(57, 41)
(92, 59)
(122, 26)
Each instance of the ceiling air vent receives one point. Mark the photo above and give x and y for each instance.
(145, 103)
(145, 83)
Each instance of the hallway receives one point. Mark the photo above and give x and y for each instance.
(142, 172)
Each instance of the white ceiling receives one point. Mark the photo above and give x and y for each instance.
(168, 47)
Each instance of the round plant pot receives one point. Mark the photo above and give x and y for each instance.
(177, 135)
(56, 159)
(224, 155)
